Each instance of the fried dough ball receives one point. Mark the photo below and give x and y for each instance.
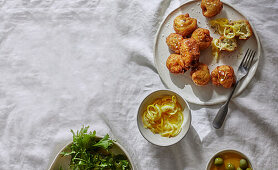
(223, 76)
(175, 64)
(227, 44)
(190, 52)
(202, 36)
(242, 29)
(200, 74)
(211, 8)
(174, 41)
(184, 25)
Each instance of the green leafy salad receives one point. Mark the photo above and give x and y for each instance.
(90, 153)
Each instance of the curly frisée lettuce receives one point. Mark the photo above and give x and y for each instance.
(90, 153)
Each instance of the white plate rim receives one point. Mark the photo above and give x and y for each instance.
(241, 86)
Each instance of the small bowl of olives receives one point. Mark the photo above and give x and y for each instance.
(229, 160)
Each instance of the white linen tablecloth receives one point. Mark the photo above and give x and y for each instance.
(68, 63)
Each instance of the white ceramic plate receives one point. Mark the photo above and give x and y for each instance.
(157, 139)
(64, 161)
(209, 94)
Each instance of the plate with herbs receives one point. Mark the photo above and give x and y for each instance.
(89, 151)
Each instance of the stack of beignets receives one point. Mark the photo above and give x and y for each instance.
(188, 49)
(188, 40)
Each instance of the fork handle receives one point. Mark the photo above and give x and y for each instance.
(221, 114)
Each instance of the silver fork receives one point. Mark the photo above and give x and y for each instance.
(241, 73)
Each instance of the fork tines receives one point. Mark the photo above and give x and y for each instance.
(248, 58)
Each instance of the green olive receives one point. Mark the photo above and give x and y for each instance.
(238, 168)
(243, 164)
(230, 166)
(218, 161)
(248, 169)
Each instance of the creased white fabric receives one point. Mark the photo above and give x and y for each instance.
(68, 63)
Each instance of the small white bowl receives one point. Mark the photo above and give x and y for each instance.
(211, 161)
(157, 139)
(64, 161)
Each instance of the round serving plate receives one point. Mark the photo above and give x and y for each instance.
(182, 83)
(63, 162)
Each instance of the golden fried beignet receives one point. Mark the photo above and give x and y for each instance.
(211, 8)
(190, 52)
(184, 25)
(200, 74)
(202, 36)
(242, 29)
(223, 76)
(174, 41)
(227, 44)
(175, 64)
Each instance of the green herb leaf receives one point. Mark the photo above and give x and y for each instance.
(67, 153)
(104, 143)
(88, 153)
